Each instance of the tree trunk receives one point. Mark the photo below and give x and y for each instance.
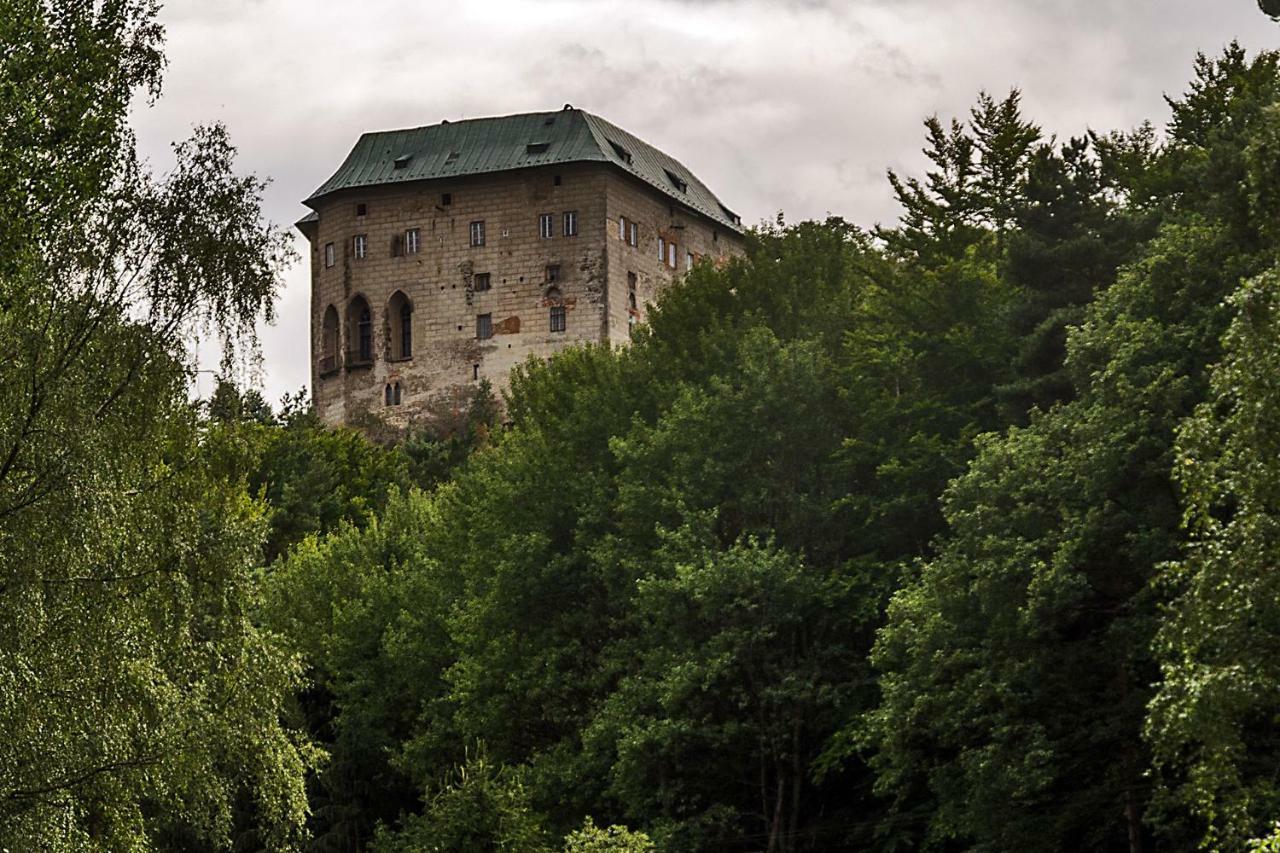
(1134, 819)
(775, 830)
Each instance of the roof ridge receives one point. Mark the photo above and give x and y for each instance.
(452, 149)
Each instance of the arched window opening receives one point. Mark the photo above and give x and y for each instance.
(359, 333)
(391, 394)
(329, 341)
(400, 317)
(395, 394)
(386, 394)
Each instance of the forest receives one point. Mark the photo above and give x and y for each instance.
(957, 534)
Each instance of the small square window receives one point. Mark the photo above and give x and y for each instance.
(477, 233)
(546, 226)
(412, 241)
(362, 209)
(571, 223)
(328, 255)
(558, 319)
(553, 273)
(446, 199)
(360, 246)
(556, 180)
(480, 281)
(484, 326)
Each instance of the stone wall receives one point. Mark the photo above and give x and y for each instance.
(658, 216)
(439, 280)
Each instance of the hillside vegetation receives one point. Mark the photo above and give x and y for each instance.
(956, 535)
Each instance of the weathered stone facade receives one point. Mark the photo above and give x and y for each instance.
(544, 293)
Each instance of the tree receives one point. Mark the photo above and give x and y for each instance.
(614, 839)
(479, 806)
(139, 705)
(1017, 663)
(1212, 720)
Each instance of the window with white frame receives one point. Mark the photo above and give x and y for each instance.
(328, 255)
(477, 233)
(412, 241)
(671, 255)
(360, 246)
(635, 234)
(622, 228)
(546, 226)
(571, 223)
(662, 249)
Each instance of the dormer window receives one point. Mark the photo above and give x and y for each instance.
(623, 154)
(676, 181)
(403, 160)
(537, 147)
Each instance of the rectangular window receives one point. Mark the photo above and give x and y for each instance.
(362, 209)
(571, 223)
(484, 326)
(480, 282)
(688, 260)
(662, 250)
(477, 233)
(412, 240)
(446, 199)
(553, 273)
(328, 255)
(671, 255)
(557, 318)
(635, 234)
(360, 246)
(622, 228)
(546, 226)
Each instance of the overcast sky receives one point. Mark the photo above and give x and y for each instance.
(778, 105)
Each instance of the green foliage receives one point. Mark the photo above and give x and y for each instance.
(614, 839)
(140, 706)
(1017, 664)
(315, 478)
(958, 535)
(1212, 721)
(480, 806)
(364, 608)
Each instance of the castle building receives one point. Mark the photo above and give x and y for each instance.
(445, 255)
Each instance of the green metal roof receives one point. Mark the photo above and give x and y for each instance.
(479, 146)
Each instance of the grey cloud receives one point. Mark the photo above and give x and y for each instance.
(798, 105)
